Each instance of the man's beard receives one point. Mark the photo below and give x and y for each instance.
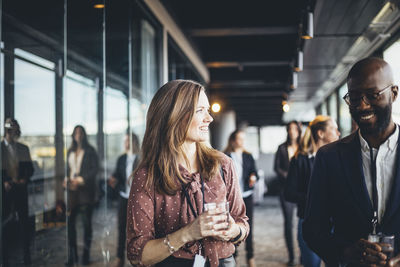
(383, 116)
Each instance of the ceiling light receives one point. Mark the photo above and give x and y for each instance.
(285, 107)
(308, 31)
(294, 81)
(216, 107)
(99, 4)
(299, 62)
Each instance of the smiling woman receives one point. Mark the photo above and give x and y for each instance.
(177, 176)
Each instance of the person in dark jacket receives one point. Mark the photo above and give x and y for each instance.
(16, 170)
(121, 180)
(247, 175)
(321, 131)
(283, 156)
(82, 169)
(354, 189)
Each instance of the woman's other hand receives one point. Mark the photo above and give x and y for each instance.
(210, 223)
(230, 233)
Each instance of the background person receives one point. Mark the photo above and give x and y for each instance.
(247, 175)
(283, 156)
(122, 180)
(82, 169)
(320, 131)
(178, 173)
(16, 170)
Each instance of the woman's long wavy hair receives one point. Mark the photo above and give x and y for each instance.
(308, 143)
(168, 120)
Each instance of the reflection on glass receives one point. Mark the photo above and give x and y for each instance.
(137, 113)
(80, 108)
(148, 62)
(34, 109)
(115, 125)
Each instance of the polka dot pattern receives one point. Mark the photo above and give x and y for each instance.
(152, 215)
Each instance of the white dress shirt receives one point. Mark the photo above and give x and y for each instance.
(385, 157)
(130, 158)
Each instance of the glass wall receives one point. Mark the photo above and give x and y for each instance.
(392, 56)
(344, 114)
(65, 64)
(333, 113)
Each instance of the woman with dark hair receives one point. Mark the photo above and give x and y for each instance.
(247, 175)
(283, 156)
(321, 131)
(178, 176)
(82, 168)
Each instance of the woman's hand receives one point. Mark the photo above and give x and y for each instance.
(230, 233)
(209, 223)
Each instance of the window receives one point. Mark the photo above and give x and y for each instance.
(333, 106)
(149, 81)
(80, 106)
(392, 56)
(35, 112)
(115, 125)
(344, 114)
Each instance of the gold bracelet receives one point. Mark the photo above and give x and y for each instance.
(171, 249)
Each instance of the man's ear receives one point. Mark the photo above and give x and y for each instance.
(395, 91)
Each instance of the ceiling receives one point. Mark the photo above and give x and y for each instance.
(250, 48)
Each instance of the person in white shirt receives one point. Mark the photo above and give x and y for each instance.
(247, 175)
(121, 180)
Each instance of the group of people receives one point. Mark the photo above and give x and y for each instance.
(293, 164)
(183, 203)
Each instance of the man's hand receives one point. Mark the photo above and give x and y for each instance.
(252, 180)
(365, 253)
(395, 261)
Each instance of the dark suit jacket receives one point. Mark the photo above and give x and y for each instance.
(339, 210)
(297, 181)
(25, 166)
(86, 193)
(17, 197)
(249, 167)
(281, 164)
(120, 171)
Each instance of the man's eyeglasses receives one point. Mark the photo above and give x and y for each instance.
(354, 98)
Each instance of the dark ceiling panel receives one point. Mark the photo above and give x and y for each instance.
(224, 13)
(251, 48)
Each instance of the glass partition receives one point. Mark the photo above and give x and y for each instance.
(64, 64)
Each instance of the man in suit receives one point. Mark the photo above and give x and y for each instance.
(16, 170)
(121, 180)
(355, 183)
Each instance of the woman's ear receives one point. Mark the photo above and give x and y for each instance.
(320, 134)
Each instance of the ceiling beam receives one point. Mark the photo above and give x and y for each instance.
(223, 32)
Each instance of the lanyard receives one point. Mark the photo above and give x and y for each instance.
(374, 191)
(188, 198)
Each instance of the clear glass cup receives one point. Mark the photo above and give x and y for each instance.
(387, 242)
(222, 207)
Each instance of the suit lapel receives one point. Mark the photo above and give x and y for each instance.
(352, 164)
(394, 199)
